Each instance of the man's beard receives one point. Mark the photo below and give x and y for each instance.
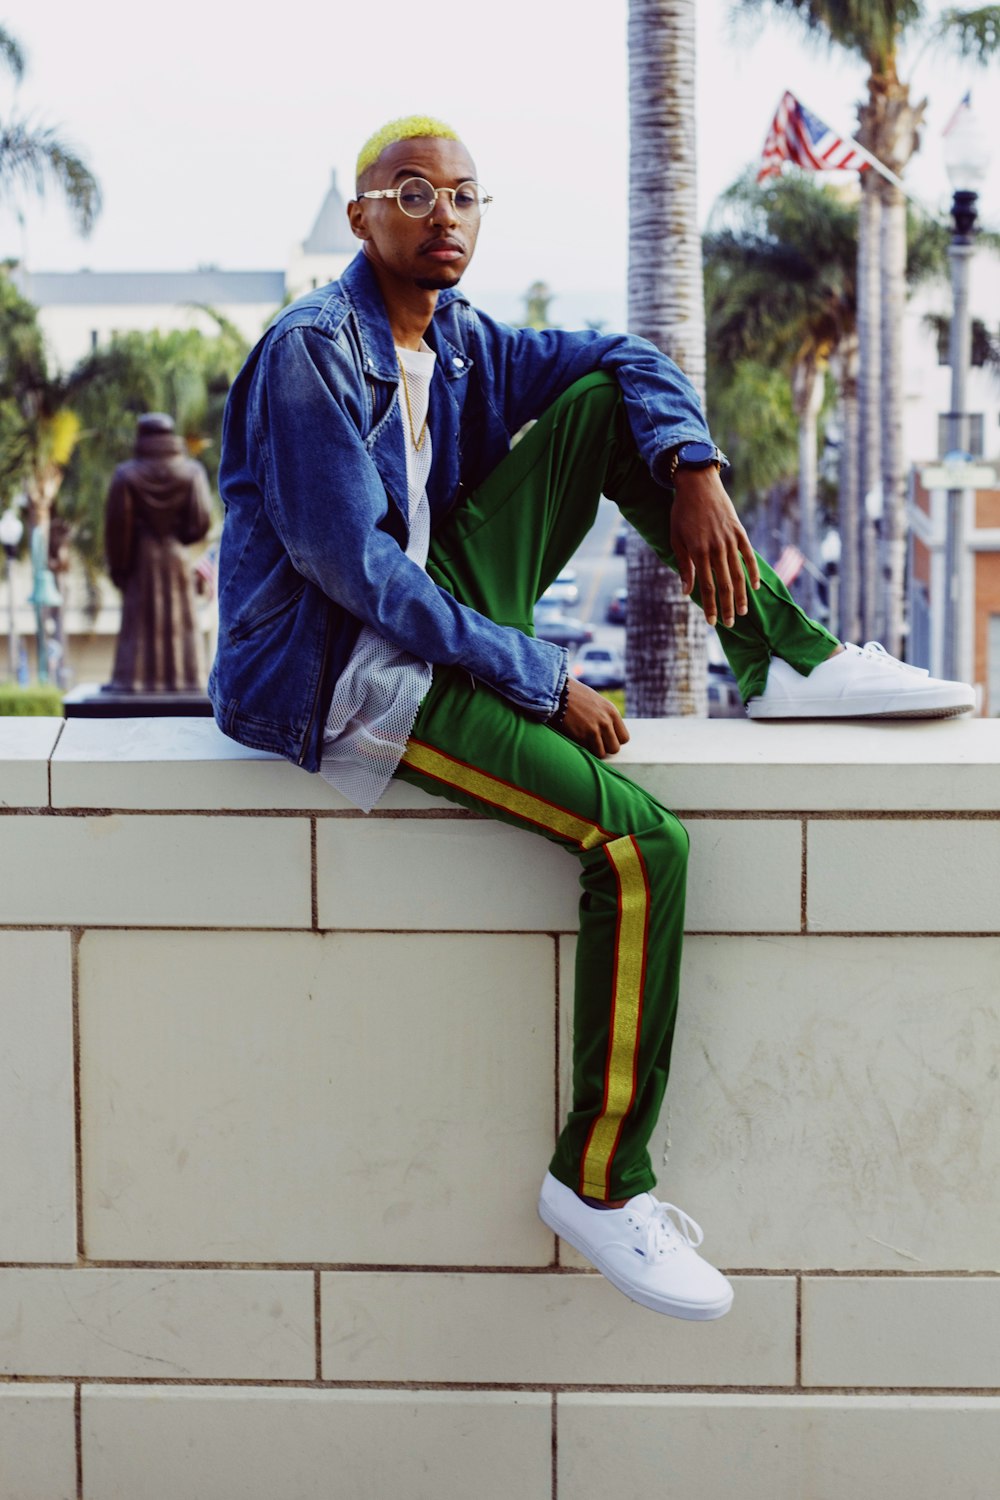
(436, 283)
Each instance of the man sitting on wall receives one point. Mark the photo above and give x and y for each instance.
(383, 550)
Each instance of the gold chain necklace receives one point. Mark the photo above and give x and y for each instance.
(418, 442)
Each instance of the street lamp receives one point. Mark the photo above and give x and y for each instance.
(11, 531)
(966, 158)
(829, 551)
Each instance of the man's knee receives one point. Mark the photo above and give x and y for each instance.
(663, 839)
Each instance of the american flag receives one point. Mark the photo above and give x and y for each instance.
(789, 564)
(798, 136)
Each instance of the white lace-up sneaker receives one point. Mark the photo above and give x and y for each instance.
(860, 682)
(646, 1249)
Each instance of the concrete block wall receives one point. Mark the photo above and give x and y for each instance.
(278, 1083)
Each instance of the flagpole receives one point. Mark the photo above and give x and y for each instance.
(884, 171)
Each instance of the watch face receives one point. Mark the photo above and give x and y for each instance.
(697, 453)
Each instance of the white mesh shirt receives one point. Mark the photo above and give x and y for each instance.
(378, 693)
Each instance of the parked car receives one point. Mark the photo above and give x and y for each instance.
(599, 667)
(621, 538)
(617, 610)
(561, 630)
(564, 589)
(724, 701)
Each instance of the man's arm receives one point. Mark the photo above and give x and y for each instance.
(709, 543)
(663, 411)
(531, 368)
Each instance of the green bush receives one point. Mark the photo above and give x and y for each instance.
(38, 698)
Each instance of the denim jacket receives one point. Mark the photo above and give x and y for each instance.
(313, 480)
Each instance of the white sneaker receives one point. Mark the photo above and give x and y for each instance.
(641, 1250)
(860, 682)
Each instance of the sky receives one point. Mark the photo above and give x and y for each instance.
(213, 131)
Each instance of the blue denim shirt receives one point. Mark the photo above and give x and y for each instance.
(313, 480)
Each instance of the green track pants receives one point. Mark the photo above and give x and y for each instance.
(497, 553)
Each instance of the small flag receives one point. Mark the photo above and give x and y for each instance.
(964, 107)
(789, 565)
(205, 570)
(800, 137)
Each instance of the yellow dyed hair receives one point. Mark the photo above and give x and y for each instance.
(406, 129)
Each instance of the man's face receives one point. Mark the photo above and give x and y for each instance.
(431, 253)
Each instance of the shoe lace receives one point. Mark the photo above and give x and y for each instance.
(663, 1235)
(875, 651)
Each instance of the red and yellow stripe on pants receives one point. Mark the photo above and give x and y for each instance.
(611, 1073)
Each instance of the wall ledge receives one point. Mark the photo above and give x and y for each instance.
(692, 765)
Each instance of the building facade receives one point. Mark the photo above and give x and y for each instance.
(80, 310)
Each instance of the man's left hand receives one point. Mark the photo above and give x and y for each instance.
(709, 542)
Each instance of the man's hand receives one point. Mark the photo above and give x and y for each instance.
(708, 542)
(593, 721)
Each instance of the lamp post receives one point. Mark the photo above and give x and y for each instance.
(829, 551)
(966, 158)
(11, 531)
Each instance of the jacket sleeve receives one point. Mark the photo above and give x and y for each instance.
(533, 367)
(325, 498)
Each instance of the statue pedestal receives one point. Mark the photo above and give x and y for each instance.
(92, 701)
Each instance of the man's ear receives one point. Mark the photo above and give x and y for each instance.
(356, 219)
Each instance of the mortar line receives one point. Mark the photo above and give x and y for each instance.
(317, 1312)
(78, 1436)
(534, 1387)
(314, 876)
(232, 929)
(804, 879)
(444, 814)
(555, 1109)
(355, 1268)
(74, 939)
(798, 1332)
(48, 763)
(555, 1447)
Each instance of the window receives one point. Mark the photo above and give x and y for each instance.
(973, 434)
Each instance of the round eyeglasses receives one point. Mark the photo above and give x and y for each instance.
(417, 198)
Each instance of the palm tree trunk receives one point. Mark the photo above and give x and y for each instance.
(869, 382)
(891, 623)
(849, 624)
(807, 389)
(665, 656)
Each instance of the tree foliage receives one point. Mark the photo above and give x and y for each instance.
(185, 373)
(33, 155)
(875, 30)
(27, 393)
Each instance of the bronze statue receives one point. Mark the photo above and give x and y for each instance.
(158, 502)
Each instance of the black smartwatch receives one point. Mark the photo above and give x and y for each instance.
(696, 455)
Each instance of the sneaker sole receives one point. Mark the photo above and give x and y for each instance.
(696, 1312)
(835, 708)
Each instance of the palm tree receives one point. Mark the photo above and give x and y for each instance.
(876, 31)
(780, 283)
(32, 155)
(665, 658)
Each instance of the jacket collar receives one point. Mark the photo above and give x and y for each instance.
(378, 350)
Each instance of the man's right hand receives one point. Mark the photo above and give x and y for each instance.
(593, 721)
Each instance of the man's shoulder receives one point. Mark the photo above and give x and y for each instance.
(323, 310)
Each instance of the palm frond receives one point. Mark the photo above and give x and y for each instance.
(973, 33)
(30, 156)
(871, 28)
(11, 53)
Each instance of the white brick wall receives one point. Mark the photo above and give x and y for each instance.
(278, 1083)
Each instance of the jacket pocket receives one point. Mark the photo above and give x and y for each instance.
(244, 628)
